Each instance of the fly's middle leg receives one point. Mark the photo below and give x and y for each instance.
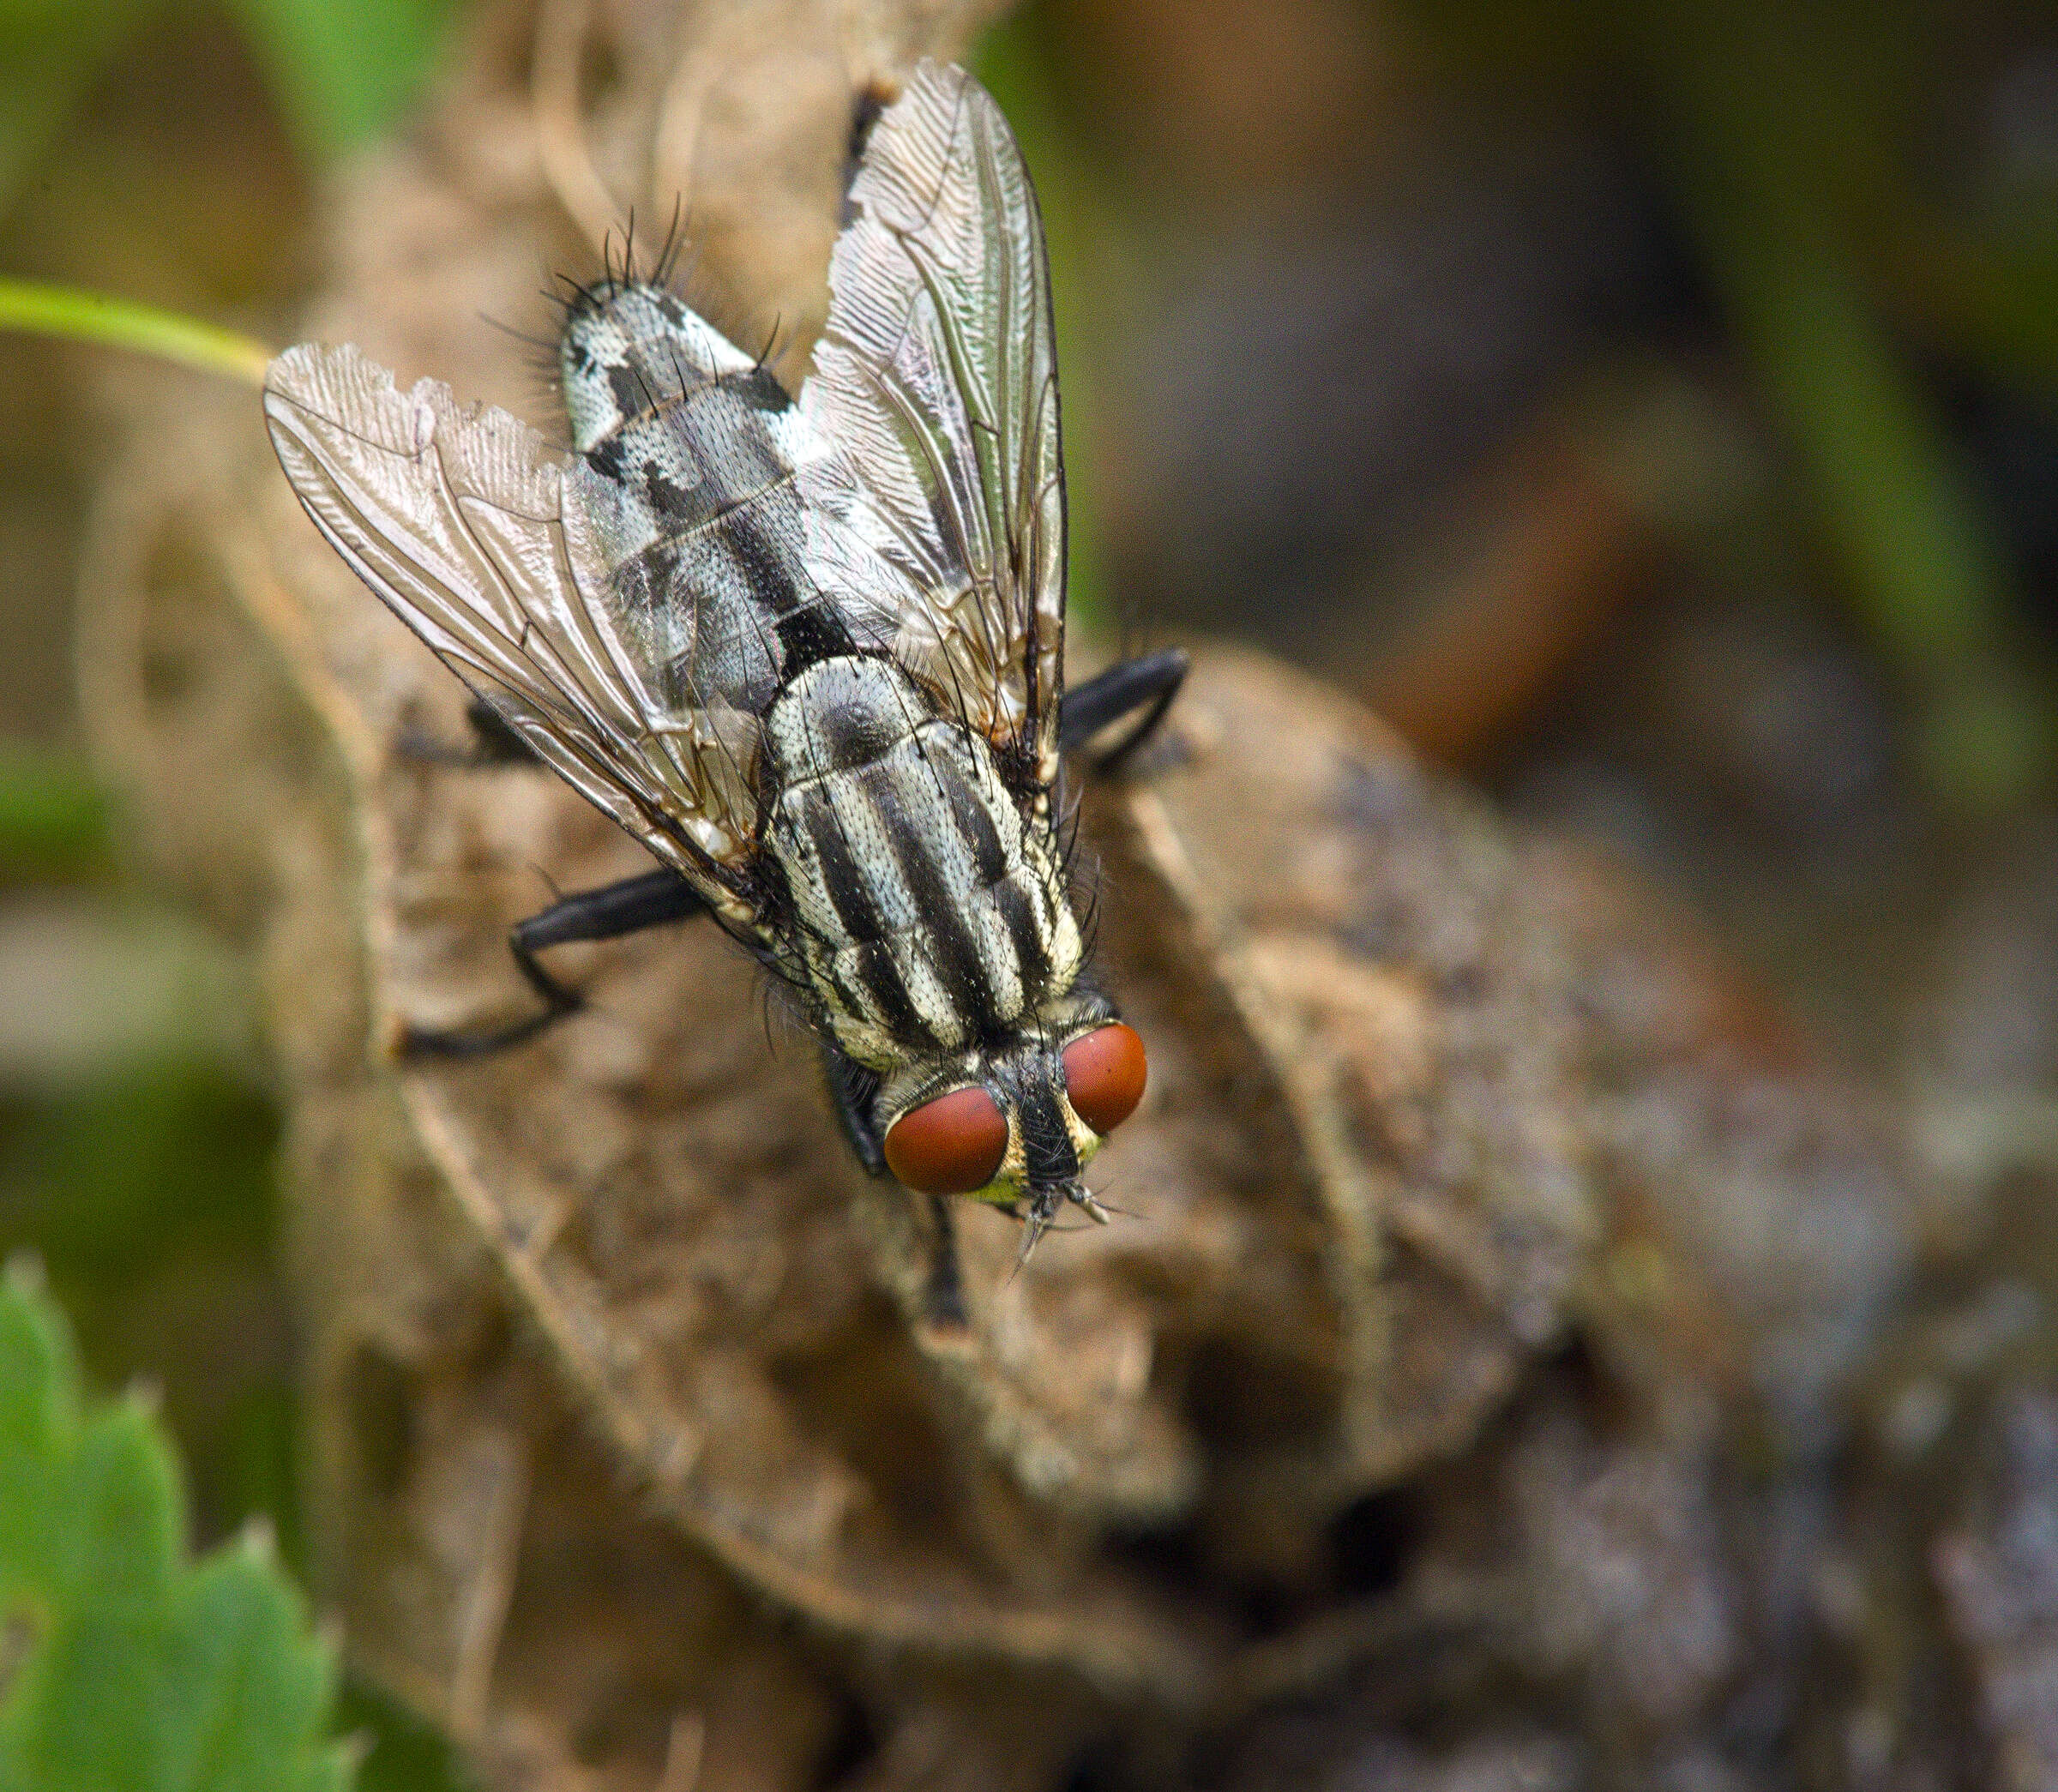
(606, 913)
(943, 1294)
(493, 743)
(1149, 684)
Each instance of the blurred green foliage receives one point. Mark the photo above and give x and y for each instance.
(1014, 61)
(53, 820)
(339, 70)
(145, 1180)
(342, 69)
(1789, 139)
(149, 1191)
(126, 1664)
(1789, 173)
(49, 52)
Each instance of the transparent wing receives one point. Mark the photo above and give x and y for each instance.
(936, 380)
(482, 540)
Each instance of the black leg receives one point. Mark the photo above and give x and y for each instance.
(851, 1090)
(607, 913)
(944, 1297)
(1120, 690)
(493, 743)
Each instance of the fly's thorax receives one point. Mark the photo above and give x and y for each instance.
(1048, 1143)
(929, 915)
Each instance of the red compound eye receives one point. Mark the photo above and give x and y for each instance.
(1105, 1075)
(950, 1145)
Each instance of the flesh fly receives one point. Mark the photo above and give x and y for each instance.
(810, 651)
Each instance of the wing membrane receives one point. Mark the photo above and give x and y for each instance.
(936, 378)
(477, 536)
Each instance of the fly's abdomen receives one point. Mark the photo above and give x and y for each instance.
(929, 917)
(692, 491)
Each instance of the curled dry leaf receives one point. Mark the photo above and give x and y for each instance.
(613, 1352)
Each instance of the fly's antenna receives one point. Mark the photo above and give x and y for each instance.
(1042, 1211)
(1044, 1206)
(1101, 1212)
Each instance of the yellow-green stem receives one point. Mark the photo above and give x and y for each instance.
(64, 311)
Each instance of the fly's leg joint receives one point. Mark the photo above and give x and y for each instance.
(1149, 684)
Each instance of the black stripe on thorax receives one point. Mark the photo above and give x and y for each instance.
(880, 979)
(975, 828)
(959, 968)
(1032, 950)
(849, 891)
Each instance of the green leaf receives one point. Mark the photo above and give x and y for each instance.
(137, 1668)
(38, 1408)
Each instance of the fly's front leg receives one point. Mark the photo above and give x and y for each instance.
(607, 913)
(852, 1087)
(850, 1091)
(1149, 684)
(943, 1295)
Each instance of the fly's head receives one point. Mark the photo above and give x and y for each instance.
(1013, 1122)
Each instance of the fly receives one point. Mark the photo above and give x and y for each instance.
(809, 651)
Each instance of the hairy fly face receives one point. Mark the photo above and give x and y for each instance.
(1015, 1122)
